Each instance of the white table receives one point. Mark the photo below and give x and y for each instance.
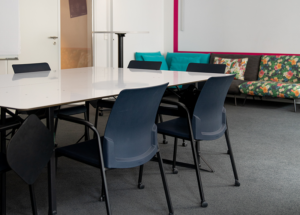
(29, 91)
(121, 35)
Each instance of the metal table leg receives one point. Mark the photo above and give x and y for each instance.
(120, 50)
(51, 167)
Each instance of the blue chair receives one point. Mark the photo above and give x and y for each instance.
(28, 152)
(134, 64)
(151, 65)
(207, 122)
(192, 67)
(130, 138)
(41, 113)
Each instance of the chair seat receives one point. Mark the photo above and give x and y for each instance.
(3, 163)
(177, 128)
(71, 110)
(86, 152)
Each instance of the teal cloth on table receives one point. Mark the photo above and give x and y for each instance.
(204, 58)
(138, 55)
(157, 58)
(181, 63)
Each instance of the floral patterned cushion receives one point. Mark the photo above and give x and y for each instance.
(233, 66)
(280, 68)
(270, 88)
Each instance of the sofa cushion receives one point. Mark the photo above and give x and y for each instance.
(234, 87)
(252, 68)
(138, 55)
(181, 63)
(233, 66)
(270, 88)
(204, 58)
(280, 68)
(158, 58)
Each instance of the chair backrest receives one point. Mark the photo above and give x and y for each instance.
(30, 149)
(152, 65)
(130, 137)
(33, 67)
(209, 117)
(208, 68)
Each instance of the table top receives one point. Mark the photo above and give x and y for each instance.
(123, 32)
(34, 90)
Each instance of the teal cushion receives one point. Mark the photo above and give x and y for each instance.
(138, 55)
(181, 63)
(204, 58)
(161, 58)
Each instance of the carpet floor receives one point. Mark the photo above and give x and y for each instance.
(265, 140)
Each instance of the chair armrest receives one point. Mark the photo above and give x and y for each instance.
(171, 91)
(179, 104)
(75, 120)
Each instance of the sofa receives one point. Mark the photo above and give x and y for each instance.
(264, 76)
(279, 77)
(251, 72)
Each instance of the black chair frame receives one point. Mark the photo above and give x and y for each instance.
(196, 152)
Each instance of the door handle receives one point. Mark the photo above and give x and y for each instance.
(53, 37)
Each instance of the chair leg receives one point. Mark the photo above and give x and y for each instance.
(245, 100)
(184, 144)
(87, 133)
(235, 103)
(203, 203)
(174, 169)
(32, 198)
(295, 105)
(163, 177)
(3, 193)
(105, 191)
(201, 158)
(237, 183)
(96, 119)
(102, 197)
(140, 185)
(164, 136)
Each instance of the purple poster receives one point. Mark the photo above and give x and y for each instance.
(77, 8)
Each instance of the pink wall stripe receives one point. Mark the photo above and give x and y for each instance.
(175, 37)
(175, 41)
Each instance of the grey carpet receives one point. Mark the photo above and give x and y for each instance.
(265, 140)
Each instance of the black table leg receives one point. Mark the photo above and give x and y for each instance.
(3, 175)
(120, 50)
(87, 134)
(51, 167)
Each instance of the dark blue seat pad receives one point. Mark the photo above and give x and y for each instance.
(69, 111)
(86, 152)
(3, 163)
(177, 128)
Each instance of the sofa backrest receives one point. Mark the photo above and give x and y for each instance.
(280, 68)
(252, 68)
(204, 58)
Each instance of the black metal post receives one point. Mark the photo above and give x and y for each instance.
(87, 118)
(3, 175)
(120, 49)
(51, 167)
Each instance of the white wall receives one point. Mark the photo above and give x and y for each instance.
(129, 15)
(168, 25)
